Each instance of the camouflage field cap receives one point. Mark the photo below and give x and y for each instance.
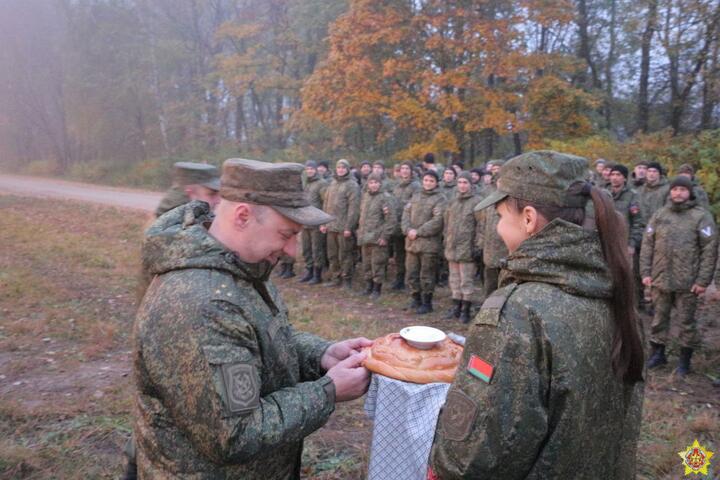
(191, 173)
(277, 185)
(542, 177)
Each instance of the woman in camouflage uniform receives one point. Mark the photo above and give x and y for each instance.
(550, 383)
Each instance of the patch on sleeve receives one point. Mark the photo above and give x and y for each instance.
(707, 231)
(479, 368)
(242, 389)
(634, 209)
(457, 416)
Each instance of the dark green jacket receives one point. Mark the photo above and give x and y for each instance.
(628, 204)
(226, 387)
(449, 189)
(701, 197)
(315, 188)
(487, 239)
(679, 247)
(424, 213)
(342, 201)
(653, 197)
(403, 191)
(460, 228)
(378, 218)
(553, 398)
(173, 198)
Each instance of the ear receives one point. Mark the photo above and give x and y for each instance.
(531, 220)
(241, 215)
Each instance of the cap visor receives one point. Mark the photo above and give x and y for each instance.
(490, 200)
(213, 184)
(309, 216)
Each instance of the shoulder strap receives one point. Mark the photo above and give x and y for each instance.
(489, 313)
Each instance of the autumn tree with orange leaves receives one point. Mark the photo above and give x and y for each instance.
(404, 78)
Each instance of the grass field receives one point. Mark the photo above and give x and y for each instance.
(67, 297)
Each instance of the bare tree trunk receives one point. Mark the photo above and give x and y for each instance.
(585, 48)
(643, 111)
(609, 63)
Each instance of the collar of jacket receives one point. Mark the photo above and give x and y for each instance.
(617, 194)
(314, 178)
(680, 207)
(343, 178)
(562, 254)
(430, 192)
(406, 182)
(466, 195)
(652, 186)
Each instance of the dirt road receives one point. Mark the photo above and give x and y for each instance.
(86, 192)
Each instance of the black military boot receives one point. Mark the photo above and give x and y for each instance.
(317, 276)
(308, 275)
(398, 284)
(426, 306)
(465, 311)
(657, 358)
(348, 284)
(684, 362)
(282, 270)
(414, 302)
(376, 291)
(454, 312)
(369, 287)
(289, 273)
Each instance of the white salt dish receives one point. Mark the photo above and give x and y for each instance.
(421, 337)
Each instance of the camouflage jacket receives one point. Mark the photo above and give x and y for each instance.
(628, 204)
(653, 197)
(403, 192)
(486, 236)
(226, 387)
(700, 196)
(173, 198)
(378, 218)
(460, 228)
(315, 188)
(679, 247)
(342, 201)
(544, 343)
(424, 213)
(448, 189)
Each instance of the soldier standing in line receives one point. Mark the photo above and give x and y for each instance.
(597, 177)
(678, 261)
(489, 242)
(191, 181)
(342, 201)
(365, 171)
(654, 192)
(422, 224)
(226, 387)
(552, 366)
(448, 184)
(378, 168)
(404, 190)
(639, 174)
(627, 204)
(324, 170)
(313, 242)
(460, 226)
(701, 197)
(378, 219)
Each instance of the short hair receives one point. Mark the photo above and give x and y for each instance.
(429, 158)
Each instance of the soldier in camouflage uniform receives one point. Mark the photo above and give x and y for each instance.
(378, 219)
(678, 260)
(313, 242)
(448, 184)
(639, 174)
(403, 191)
(226, 387)
(654, 192)
(460, 227)
(422, 224)
(701, 197)
(324, 170)
(489, 243)
(378, 168)
(342, 201)
(535, 391)
(191, 181)
(627, 204)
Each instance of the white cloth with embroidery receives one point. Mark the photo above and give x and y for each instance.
(404, 415)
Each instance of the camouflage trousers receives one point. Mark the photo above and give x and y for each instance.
(313, 248)
(398, 246)
(374, 262)
(420, 272)
(684, 304)
(461, 279)
(340, 254)
(490, 279)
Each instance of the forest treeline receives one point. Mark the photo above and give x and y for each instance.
(92, 87)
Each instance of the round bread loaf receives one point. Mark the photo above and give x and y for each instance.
(393, 357)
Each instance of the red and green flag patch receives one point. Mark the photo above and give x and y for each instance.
(480, 368)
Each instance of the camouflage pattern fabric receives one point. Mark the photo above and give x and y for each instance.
(378, 218)
(679, 248)
(628, 204)
(424, 213)
(340, 255)
(342, 200)
(226, 387)
(701, 197)
(448, 189)
(487, 239)
(403, 192)
(314, 248)
(551, 396)
(652, 197)
(374, 262)
(685, 304)
(460, 227)
(421, 271)
(173, 198)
